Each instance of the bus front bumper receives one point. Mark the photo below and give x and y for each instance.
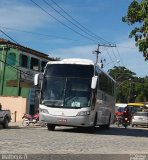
(79, 121)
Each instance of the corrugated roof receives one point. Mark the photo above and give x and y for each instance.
(23, 48)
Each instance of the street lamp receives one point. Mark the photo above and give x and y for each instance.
(129, 94)
(123, 82)
(116, 78)
(128, 81)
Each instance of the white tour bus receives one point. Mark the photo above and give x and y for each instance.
(75, 92)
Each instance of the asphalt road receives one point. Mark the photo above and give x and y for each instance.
(69, 140)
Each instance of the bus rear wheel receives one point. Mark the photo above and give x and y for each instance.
(106, 126)
(51, 127)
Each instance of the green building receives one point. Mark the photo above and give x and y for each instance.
(18, 65)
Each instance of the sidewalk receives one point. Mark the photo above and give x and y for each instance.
(15, 124)
(19, 125)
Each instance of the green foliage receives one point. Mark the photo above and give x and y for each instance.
(129, 88)
(138, 13)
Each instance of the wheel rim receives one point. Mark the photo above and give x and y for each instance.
(25, 122)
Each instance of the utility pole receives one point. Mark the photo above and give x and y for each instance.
(98, 52)
(4, 68)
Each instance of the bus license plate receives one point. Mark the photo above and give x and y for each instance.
(62, 120)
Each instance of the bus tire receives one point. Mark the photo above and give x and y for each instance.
(106, 126)
(51, 127)
(95, 120)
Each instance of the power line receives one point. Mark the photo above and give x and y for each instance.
(8, 36)
(16, 68)
(114, 55)
(65, 17)
(62, 22)
(73, 23)
(110, 56)
(126, 47)
(98, 51)
(120, 56)
(94, 35)
(84, 28)
(8, 28)
(12, 65)
(35, 33)
(55, 19)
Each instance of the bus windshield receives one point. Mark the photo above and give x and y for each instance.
(66, 92)
(69, 70)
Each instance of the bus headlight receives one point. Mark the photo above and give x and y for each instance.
(44, 111)
(83, 113)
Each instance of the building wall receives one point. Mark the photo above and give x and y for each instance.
(17, 70)
(10, 75)
(17, 106)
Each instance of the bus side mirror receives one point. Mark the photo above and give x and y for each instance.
(94, 82)
(37, 79)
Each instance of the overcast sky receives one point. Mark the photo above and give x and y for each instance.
(45, 29)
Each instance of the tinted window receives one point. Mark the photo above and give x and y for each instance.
(34, 64)
(141, 114)
(43, 64)
(121, 109)
(24, 61)
(134, 109)
(11, 58)
(106, 84)
(69, 70)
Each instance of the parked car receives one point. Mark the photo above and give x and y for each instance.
(5, 117)
(140, 118)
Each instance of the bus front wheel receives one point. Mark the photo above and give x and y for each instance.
(51, 127)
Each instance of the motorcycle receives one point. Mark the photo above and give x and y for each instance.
(27, 119)
(125, 122)
(118, 120)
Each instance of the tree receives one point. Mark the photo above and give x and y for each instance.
(138, 13)
(129, 88)
(123, 77)
(120, 73)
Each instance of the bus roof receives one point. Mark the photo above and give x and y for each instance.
(79, 61)
(73, 61)
(135, 104)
